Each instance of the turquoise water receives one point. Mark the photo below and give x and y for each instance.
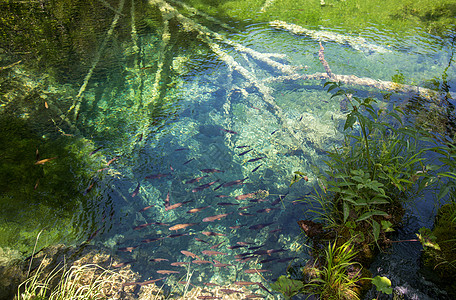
(167, 110)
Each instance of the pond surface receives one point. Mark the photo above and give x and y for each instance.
(200, 118)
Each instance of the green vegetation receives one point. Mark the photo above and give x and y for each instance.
(401, 17)
(43, 196)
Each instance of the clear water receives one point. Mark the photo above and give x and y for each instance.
(179, 124)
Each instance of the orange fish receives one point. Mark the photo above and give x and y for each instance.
(216, 246)
(190, 254)
(127, 249)
(217, 217)
(182, 226)
(198, 209)
(167, 272)
(210, 233)
(244, 283)
(199, 262)
(112, 160)
(179, 263)
(230, 291)
(245, 196)
(252, 271)
(170, 207)
(158, 259)
(43, 161)
(210, 252)
(208, 297)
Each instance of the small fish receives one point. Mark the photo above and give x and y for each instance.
(102, 169)
(242, 283)
(189, 254)
(210, 233)
(245, 152)
(176, 205)
(227, 204)
(181, 149)
(200, 240)
(210, 252)
(167, 200)
(157, 176)
(160, 223)
(217, 245)
(256, 168)
(300, 119)
(152, 240)
(177, 235)
(260, 226)
(37, 154)
(208, 297)
(150, 281)
(36, 184)
(158, 259)
(211, 284)
(89, 188)
(182, 226)
(275, 230)
(255, 247)
(142, 226)
(46, 105)
(229, 131)
(219, 186)
(253, 271)
(199, 261)
(198, 209)
(197, 179)
(253, 296)
(127, 249)
(188, 161)
(230, 291)
(167, 272)
(255, 108)
(274, 132)
(112, 160)
(120, 265)
(255, 159)
(240, 147)
(211, 171)
(245, 196)
(96, 150)
(244, 243)
(94, 234)
(221, 196)
(235, 182)
(216, 217)
(146, 208)
(236, 227)
(43, 161)
(266, 210)
(140, 138)
(235, 247)
(204, 186)
(179, 263)
(185, 282)
(136, 191)
(218, 264)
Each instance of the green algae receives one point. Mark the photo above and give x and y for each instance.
(401, 17)
(40, 197)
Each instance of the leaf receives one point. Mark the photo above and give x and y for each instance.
(443, 192)
(382, 284)
(346, 211)
(376, 229)
(351, 119)
(287, 286)
(369, 214)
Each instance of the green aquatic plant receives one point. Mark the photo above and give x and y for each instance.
(338, 275)
(287, 287)
(382, 285)
(380, 166)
